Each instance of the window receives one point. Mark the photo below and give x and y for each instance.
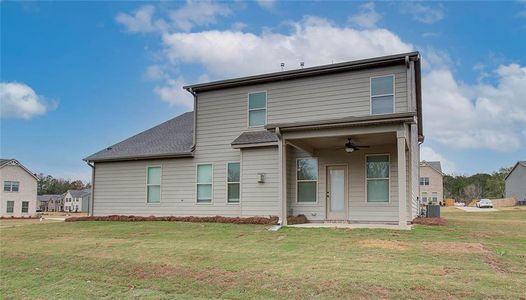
(153, 185)
(257, 109)
(25, 206)
(204, 183)
(377, 178)
(382, 95)
(11, 186)
(424, 180)
(10, 207)
(233, 182)
(424, 197)
(434, 197)
(306, 180)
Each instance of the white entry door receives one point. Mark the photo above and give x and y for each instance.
(336, 193)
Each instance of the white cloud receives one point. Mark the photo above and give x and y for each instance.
(238, 26)
(198, 13)
(428, 154)
(173, 93)
(313, 40)
(154, 72)
(478, 116)
(141, 20)
(267, 4)
(424, 14)
(18, 100)
(367, 18)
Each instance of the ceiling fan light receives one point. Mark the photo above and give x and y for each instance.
(349, 150)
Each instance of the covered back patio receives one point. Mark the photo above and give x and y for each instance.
(331, 181)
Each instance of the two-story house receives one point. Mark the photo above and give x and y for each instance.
(431, 182)
(56, 203)
(18, 197)
(77, 200)
(337, 142)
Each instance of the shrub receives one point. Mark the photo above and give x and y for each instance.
(272, 220)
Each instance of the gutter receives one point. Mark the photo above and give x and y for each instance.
(132, 158)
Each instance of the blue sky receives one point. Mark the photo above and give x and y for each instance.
(79, 76)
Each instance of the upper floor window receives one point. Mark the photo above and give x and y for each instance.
(11, 186)
(424, 180)
(204, 183)
(377, 167)
(233, 182)
(382, 95)
(307, 179)
(257, 109)
(153, 185)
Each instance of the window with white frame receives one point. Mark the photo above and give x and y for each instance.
(306, 180)
(257, 109)
(377, 167)
(11, 186)
(434, 197)
(153, 185)
(382, 95)
(424, 180)
(10, 207)
(204, 183)
(424, 197)
(233, 182)
(25, 206)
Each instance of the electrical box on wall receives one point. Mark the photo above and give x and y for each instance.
(261, 177)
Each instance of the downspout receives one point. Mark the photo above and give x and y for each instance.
(92, 200)
(194, 138)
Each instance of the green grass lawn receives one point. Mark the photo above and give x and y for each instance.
(478, 255)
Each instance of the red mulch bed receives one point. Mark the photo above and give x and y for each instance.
(430, 221)
(273, 220)
(299, 219)
(18, 218)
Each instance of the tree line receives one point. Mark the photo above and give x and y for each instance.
(464, 188)
(47, 184)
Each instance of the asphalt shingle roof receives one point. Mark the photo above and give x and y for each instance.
(79, 193)
(255, 137)
(173, 137)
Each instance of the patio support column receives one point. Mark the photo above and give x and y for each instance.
(282, 149)
(402, 179)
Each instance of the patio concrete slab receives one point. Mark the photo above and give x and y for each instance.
(350, 226)
(476, 209)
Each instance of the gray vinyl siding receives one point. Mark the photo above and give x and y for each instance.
(359, 209)
(322, 97)
(260, 199)
(515, 183)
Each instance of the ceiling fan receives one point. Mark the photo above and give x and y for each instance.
(351, 147)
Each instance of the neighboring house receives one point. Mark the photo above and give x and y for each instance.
(43, 202)
(56, 203)
(278, 144)
(516, 181)
(19, 189)
(431, 182)
(77, 200)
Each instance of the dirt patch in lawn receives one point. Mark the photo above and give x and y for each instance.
(455, 247)
(384, 244)
(430, 221)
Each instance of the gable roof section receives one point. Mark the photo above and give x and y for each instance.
(173, 138)
(79, 193)
(434, 165)
(520, 162)
(255, 138)
(5, 162)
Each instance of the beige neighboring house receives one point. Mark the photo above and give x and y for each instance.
(431, 182)
(50, 202)
(279, 144)
(19, 189)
